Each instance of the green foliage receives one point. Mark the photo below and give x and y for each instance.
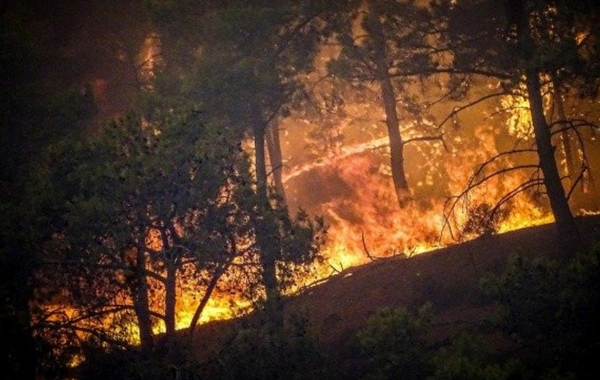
(549, 313)
(130, 364)
(131, 177)
(301, 238)
(579, 310)
(470, 358)
(393, 342)
(528, 289)
(554, 305)
(269, 353)
(184, 181)
(239, 59)
(404, 27)
(547, 328)
(175, 182)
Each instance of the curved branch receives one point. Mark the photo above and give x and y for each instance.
(490, 160)
(102, 336)
(428, 138)
(459, 109)
(473, 183)
(573, 124)
(452, 202)
(577, 181)
(514, 192)
(485, 73)
(364, 243)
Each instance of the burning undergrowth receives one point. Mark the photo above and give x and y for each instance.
(353, 192)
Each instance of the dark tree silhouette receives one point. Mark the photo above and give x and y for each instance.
(517, 44)
(394, 49)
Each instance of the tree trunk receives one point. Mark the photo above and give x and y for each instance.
(389, 103)
(141, 303)
(566, 140)
(396, 143)
(206, 297)
(571, 157)
(275, 158)
(265, 233)
(568, 234)
(170, 300)
(565, 222)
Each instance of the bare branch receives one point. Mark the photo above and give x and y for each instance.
(428, 138)
(364, 243)
(459, 109)
(219, 272)
(478, 178)
(519, 189)
(574, 124)
(441, 70)
(575, 183)
(336, 270)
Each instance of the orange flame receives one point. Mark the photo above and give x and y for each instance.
(366, 222)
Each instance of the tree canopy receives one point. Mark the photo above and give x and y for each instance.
(143, 150)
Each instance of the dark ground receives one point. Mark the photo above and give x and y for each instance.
(448, 278)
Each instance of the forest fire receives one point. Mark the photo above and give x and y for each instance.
(365, 221)
(353, 192)
(176, 163)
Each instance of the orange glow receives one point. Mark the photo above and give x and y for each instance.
(148, 60)
(364, 218)
(352, 189)
(363, 214)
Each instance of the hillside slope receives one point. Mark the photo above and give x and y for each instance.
(448, 278)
